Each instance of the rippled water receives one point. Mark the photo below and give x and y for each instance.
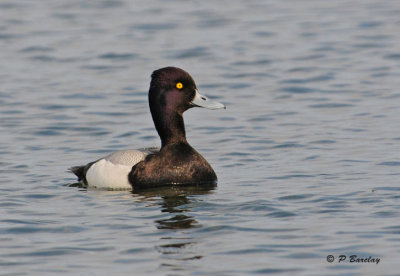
(307, 153)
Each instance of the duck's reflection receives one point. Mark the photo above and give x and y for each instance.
(177, 247)
(176, 200)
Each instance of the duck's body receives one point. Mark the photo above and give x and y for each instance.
(185, 166)
(172, 91)
(110, 172)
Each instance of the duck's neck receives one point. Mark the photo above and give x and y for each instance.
(169, 125)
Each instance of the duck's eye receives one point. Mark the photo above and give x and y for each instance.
(179, 85)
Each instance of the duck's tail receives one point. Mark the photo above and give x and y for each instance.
(79, 171)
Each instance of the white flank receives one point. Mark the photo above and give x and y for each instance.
(106, 175)
(111, 172)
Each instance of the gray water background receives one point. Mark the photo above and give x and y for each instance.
(307, 152)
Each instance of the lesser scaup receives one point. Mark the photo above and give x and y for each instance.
(172, 92)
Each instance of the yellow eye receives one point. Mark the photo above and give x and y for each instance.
(179, 85)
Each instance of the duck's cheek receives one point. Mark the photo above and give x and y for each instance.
(173, 99)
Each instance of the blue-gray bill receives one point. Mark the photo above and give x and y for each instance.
(202, 101)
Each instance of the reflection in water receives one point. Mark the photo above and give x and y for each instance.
(177, 247)
(177, 222)
(175, 201)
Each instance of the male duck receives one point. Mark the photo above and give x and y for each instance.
(172, 92)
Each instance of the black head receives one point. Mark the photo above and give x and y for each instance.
(171, 88)
(172, 92)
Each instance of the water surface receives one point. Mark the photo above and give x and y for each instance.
(307, 152)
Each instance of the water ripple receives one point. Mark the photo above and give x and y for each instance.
(195, 52)
(390, 163)
(118, 56)
(298, 89)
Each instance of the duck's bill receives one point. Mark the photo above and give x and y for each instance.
(202, 101)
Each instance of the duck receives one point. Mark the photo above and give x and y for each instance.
(172, 91)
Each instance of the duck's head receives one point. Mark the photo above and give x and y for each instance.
(172, 92)
(172, 88)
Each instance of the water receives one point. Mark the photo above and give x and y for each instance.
(307, 152)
